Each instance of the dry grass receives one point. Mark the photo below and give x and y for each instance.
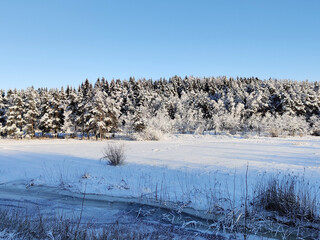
(15, 224)
(289, 196)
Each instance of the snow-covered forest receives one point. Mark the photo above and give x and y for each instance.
(178, 105)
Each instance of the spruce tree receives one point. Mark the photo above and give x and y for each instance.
(3, 108)
(46, 118)
(14, 115)
(99, 114)
(31, 112)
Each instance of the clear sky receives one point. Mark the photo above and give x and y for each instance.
(54, 43)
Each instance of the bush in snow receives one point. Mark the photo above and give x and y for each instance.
(296, 125)
(286, 125)
(148, 134)
(114, 154)
(161, 122)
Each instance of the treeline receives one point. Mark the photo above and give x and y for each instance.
(178, 105)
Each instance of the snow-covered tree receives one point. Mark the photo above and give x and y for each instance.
(70, 111)
(191, 104)
(46, 119)
(99, 119)
(84, 104)
(68, 126)
(56, 111)
(315, 125)
(31, 112)
(14, 115)
(3, 104)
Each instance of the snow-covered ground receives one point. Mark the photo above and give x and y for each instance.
(189, 169)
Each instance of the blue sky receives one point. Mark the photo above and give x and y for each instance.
(55, 43)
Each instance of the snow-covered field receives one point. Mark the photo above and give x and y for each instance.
(191, 171)
(182, 168)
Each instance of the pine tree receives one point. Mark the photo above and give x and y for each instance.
(56, 112)
(84, 105)
(31, 112)
(70, 112)
(45, 121)
(99, 114)
(3, 109)
(14, 115)
(68, 127)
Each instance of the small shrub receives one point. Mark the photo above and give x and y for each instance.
(85, 176)
(114, 154)
(274, 132)
(148, 134)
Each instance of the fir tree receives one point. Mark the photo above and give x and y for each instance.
(14, 115)
(99, 114)
(31, 112)
(46, 118)
(3, 108)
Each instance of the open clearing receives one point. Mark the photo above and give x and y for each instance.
(190, 173)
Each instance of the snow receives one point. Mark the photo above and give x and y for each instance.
(187, 169)
(194, 174)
